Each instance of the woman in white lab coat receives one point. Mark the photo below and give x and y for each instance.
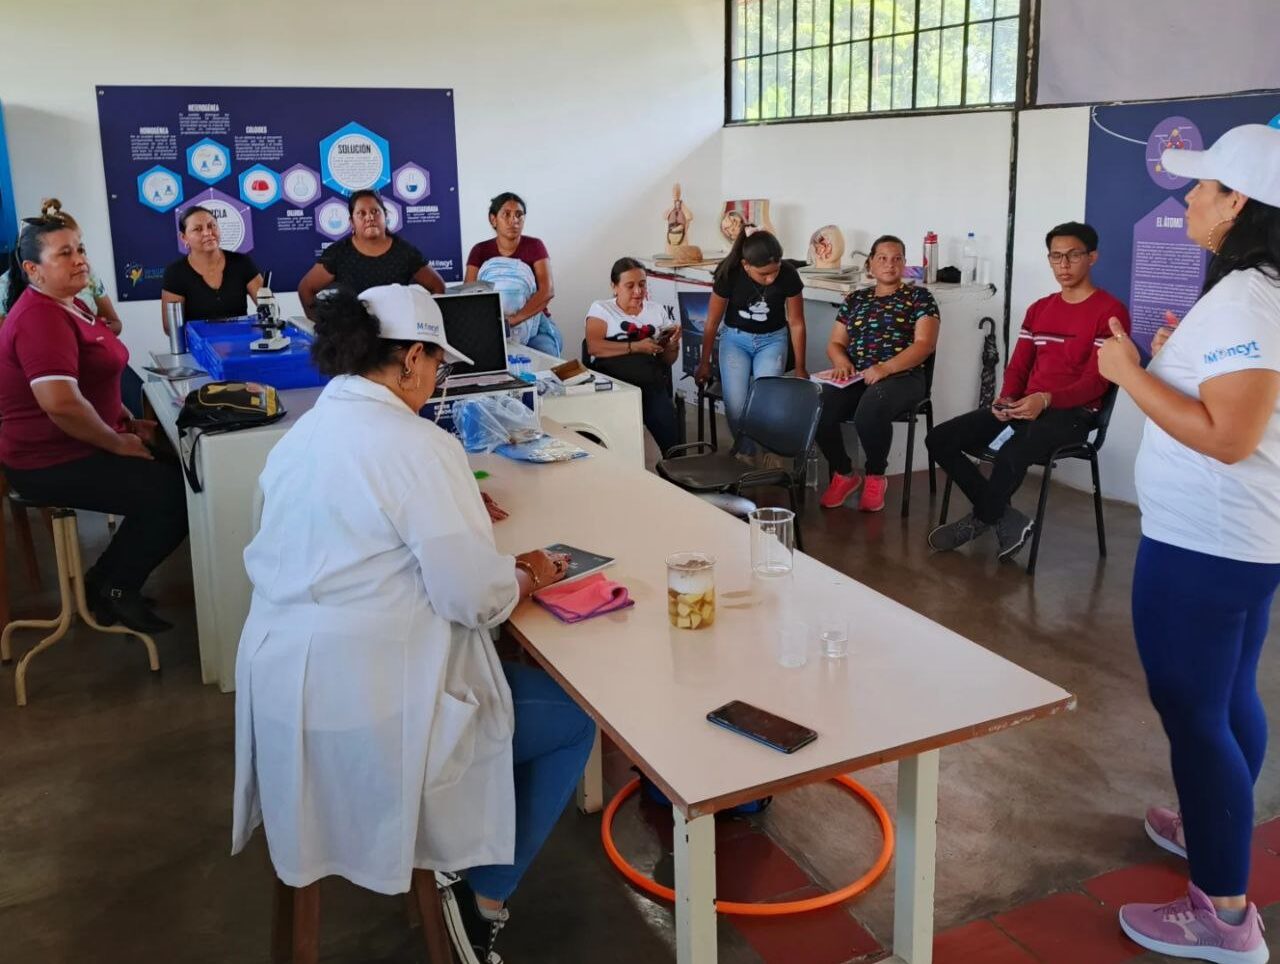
(376, 730)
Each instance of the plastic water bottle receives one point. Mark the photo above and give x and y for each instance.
(930, 258)
(970, 262)
(513, 364)
(811, 469)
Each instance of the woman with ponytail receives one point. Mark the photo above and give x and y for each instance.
(1208, 481)
(759, 298)
(66, 439)
(94, 294)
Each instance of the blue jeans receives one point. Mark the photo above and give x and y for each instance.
(1200, 622)
(745, 357)
(552, 742)
(543, 335)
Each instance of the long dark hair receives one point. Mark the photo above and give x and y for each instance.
(1252, 242)
(346, 341)
(29, 247)
(185, 216)
(758, 249)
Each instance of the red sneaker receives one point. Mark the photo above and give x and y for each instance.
(873, 494)
(841, 487)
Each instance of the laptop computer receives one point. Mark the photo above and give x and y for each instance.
(474, 324)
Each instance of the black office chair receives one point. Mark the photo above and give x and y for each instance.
(1088, 449)
(910, 417)
(781, 416)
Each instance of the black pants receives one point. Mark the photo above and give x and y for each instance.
(873, 409)
(151, 496)
(1032, 441)
(657, 406)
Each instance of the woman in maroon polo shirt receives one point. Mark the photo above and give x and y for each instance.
(65, 437)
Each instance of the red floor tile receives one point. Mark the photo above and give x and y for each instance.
(829, 936)
(1267, 835)
(1264, 876)
(751, 867)
(1068, 929)
(1148, 883)
(980, 941)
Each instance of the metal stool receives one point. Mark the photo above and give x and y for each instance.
(66, 547)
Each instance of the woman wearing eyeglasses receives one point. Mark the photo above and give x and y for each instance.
(377, 733)
(1051, 395)
(372, 256)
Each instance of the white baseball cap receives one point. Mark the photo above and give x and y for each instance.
(409, 313)
(1245, 159)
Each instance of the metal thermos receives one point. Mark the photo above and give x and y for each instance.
(177, 328)
(930, 258)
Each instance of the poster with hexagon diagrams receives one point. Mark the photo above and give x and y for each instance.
(276, 166)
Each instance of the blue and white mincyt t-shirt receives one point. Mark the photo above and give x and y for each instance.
(1194, 501)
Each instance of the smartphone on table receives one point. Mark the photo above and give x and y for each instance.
(762, 726)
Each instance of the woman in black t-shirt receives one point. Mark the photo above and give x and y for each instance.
(761, 303)
(209, 283)
(372, 256)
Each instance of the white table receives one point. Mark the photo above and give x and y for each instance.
(908, 687)
(221, 516)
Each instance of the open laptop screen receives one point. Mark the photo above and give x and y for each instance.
(474, 325)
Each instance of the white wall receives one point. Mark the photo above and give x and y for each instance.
(589, 110)
(903, 176)
(1053, 149)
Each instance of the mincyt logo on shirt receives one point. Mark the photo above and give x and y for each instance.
(1242, 350)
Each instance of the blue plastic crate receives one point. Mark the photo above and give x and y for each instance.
(222, 349)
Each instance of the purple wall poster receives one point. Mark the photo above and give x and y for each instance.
(275, 165)
(1168, 269)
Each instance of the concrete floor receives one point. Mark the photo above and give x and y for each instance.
(115, 800)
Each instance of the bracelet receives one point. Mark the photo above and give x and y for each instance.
(527, 567)
(629, 344)
(1048, 400)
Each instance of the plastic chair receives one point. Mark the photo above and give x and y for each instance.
(1088, 450)
(295, 922)
(781, 416)
(910, 417)
(66, 548)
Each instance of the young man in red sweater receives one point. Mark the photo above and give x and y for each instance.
(1051, 395)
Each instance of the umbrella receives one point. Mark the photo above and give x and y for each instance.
(990, 359)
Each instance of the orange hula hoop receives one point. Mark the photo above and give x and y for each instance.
(776, 909)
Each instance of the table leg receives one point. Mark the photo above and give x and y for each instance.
(916, 857)
(695, 844)
(591, 786)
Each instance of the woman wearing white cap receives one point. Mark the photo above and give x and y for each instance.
(377, 733)
(1208, 479)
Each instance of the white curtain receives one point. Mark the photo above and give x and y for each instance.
(1094, 51)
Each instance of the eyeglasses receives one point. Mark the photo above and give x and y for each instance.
(46, 221)
(1074, 256)
(443, 369)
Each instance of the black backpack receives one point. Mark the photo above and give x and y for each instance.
(223, 407)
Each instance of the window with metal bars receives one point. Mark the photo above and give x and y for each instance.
(831, 58)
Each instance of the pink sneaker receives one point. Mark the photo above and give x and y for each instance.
(840, 488)
(1189, 927)
(873, 494)
(1164, 827)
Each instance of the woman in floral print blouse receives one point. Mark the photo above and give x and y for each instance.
(881, 339)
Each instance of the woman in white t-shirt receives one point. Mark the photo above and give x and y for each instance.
(629, 338)
(1208, 480)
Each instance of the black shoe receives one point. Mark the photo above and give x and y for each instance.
(1012, 531)
(473, 935)
(94, 586)
(127, 606)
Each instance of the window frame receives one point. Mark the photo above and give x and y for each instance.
(1027, 42)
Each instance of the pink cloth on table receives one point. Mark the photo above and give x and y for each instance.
(593, 596)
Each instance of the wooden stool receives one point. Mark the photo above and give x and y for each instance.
(295, 923)
(66, 548)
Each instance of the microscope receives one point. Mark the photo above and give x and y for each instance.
(273, 336)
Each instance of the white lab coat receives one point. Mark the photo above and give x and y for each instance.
(373, 721)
